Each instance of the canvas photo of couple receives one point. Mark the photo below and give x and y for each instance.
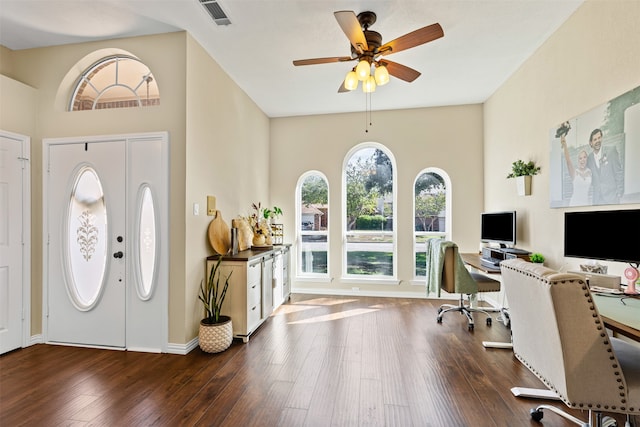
(595, 157)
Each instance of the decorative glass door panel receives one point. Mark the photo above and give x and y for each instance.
(85, 198)
(146, 243)
(86, 240)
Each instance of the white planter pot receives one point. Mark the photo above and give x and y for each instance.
(523, 184)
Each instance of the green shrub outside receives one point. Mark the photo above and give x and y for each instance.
(370, 222)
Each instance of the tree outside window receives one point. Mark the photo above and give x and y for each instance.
(369, 213)
(430, 215)
(313, 225)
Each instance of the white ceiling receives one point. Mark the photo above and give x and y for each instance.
(485, 41)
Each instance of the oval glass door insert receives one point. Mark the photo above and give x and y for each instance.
(86, 240)
(146, 243)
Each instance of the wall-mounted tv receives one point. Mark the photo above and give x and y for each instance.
(603, 235)
(498, 227)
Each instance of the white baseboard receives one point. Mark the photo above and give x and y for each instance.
(182, 349)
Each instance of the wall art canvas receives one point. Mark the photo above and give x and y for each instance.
(595, 157)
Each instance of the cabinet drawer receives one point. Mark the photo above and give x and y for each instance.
(254, 294)
(254, 272)
(253, 317)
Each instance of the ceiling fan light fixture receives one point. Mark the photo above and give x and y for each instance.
(351, 81)
(369, 85)
(363, 70)
(381, 75)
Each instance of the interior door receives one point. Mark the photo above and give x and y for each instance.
(86, 250)
(12, 162)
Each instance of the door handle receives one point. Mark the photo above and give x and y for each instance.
(118, 254)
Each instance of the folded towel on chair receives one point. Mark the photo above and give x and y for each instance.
(464, 283)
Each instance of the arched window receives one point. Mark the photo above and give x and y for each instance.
(432, 213)
(115, 82)
(312, 223)
(369, 196)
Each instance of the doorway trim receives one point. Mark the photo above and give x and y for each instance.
(161, 320)
(25, 143)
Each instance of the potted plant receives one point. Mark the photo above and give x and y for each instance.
(523, 172)
(216, 331)
(536, 257)
(269, 214)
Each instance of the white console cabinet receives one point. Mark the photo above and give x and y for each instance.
(253, 291)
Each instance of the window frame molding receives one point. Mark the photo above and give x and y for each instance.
(84, 77)
(419, 280)
(359, 278)
(300, 275)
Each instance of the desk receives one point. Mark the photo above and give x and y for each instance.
(620, 318)
(474, 261)
(623, 319)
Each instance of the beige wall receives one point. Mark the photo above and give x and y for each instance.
(592, 58)
(227, 157)
(449, 138)
(17, 106)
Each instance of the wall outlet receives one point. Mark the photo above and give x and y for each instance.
(355, 288)
(196, 209)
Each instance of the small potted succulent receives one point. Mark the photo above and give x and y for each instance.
(536, 257)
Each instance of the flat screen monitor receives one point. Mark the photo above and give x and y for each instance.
(603, 235)
(498, 227)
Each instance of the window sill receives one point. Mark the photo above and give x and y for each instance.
(368, 281)
(315, 279)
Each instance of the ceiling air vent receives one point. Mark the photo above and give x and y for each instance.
(216, 12)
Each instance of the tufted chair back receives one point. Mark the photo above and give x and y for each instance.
(559, 335)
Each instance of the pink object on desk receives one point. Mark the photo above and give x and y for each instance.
(631, 274)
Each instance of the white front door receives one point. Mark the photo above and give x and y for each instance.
(14, 219)
(85, 199)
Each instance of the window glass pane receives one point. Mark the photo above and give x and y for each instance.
(369, 213)
(86, 239)
(116, 82)
(146, 243)
(430, 215)
(314, 224)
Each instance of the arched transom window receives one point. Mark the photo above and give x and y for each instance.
(115, 82)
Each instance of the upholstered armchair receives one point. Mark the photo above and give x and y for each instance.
(558, 334)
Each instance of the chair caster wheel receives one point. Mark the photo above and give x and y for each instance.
(536, 414)
(471, 327)
(488, 321)
(439, 319)
(440, 310)
(607, 421)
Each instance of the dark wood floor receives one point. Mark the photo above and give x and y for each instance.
(318, 361)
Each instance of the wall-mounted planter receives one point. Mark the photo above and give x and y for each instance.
(523, 184)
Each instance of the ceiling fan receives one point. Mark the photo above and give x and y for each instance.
(368, 50)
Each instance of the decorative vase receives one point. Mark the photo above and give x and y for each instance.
(215, 337)
(258, 239)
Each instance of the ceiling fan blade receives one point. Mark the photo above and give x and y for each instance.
(412, 39)
(343, 89)
(400, 71)
(314, 61)
(349, 23)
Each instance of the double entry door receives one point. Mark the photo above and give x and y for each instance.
(106, 220)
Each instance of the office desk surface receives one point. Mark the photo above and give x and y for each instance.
(621, 318)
